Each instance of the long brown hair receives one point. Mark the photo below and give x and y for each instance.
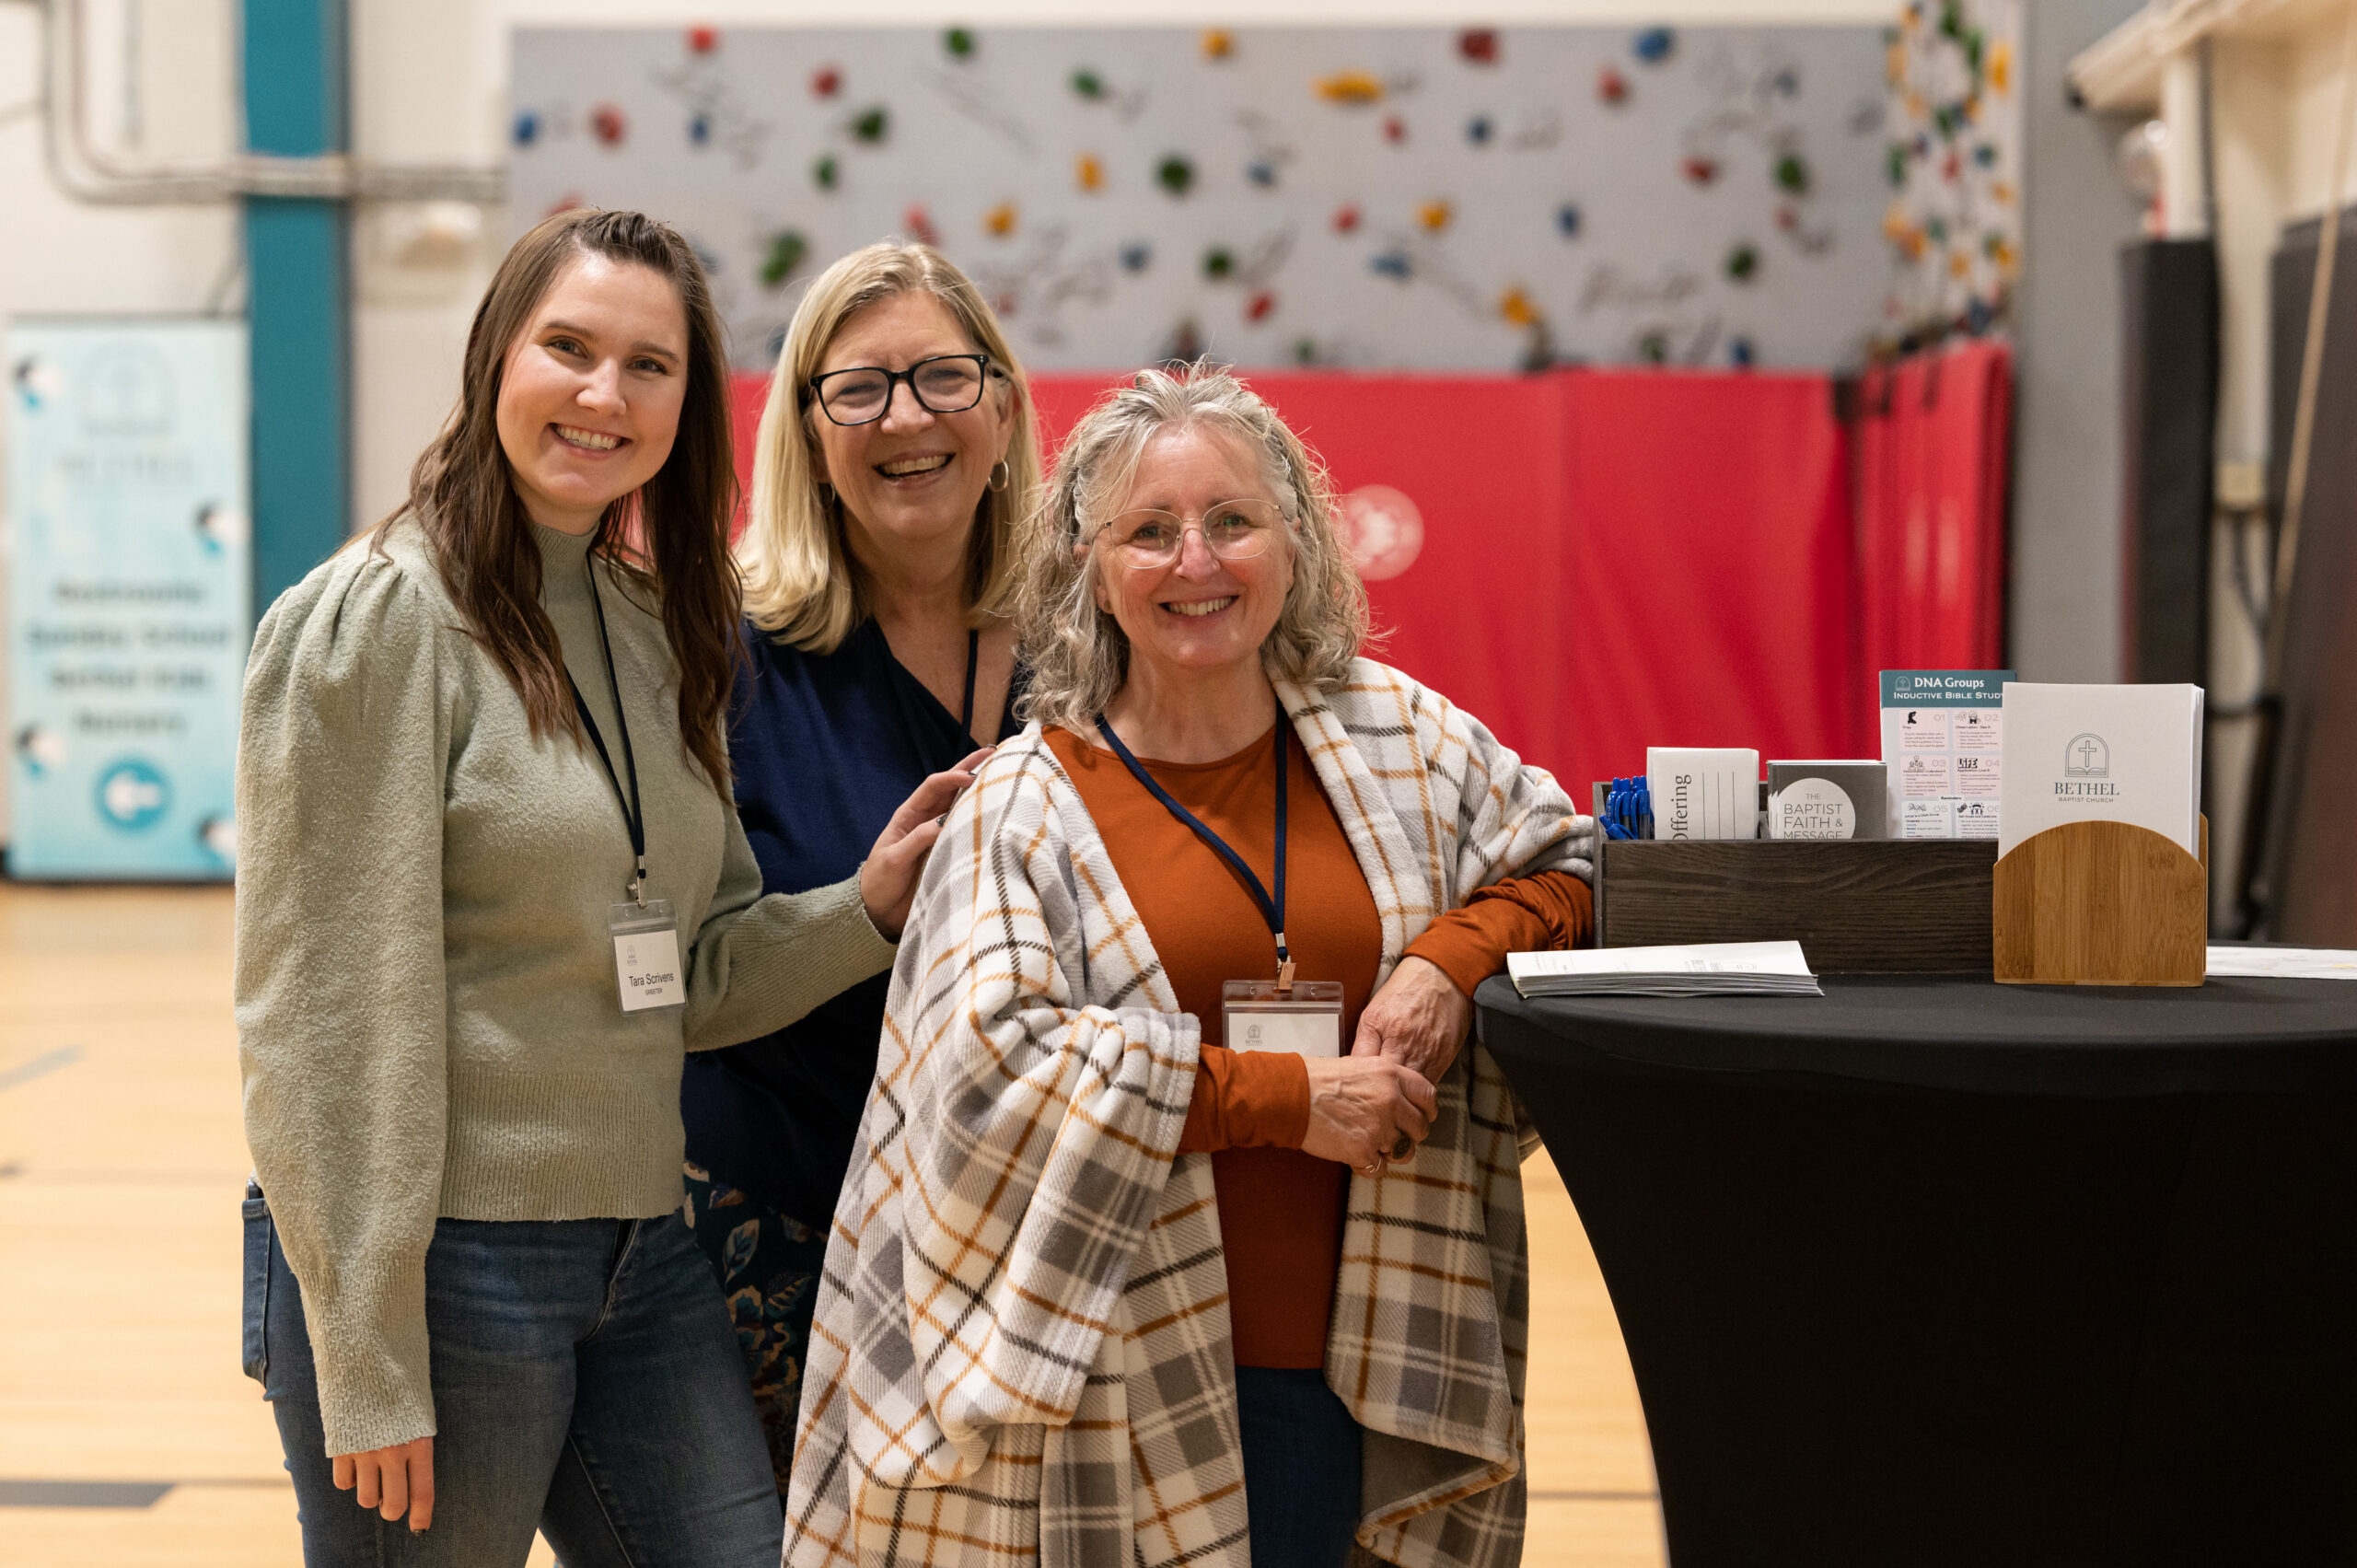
(669, 537)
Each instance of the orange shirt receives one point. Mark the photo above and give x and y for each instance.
(1281, 1211)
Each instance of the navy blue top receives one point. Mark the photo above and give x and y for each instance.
(825, 747)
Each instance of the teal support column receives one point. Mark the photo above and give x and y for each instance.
(299, 294)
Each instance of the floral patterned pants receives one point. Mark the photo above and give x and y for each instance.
(768, 1266)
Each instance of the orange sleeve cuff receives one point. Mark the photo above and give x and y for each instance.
(1522, 914)
(1247, 1100)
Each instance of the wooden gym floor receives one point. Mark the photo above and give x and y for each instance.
(128, 1436)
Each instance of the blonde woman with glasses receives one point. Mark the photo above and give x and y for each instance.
(894, 457)
(1182, 1227)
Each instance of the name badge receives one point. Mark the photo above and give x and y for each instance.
(1305, 1018)
(646, 955)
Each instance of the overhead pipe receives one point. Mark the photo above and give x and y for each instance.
(89, 173)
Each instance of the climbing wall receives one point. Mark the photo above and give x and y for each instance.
(1400, 197)
(1953, 160)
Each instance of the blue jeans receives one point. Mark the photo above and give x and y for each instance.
(585, 1383)
(1301, 1467)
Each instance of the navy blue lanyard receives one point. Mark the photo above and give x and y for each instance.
(1272, 910)
(634, 814)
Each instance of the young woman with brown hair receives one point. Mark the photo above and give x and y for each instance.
(494, 883)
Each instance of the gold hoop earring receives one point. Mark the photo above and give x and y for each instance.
(1002, 474)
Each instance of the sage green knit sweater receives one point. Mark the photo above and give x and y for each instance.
(427, 1016)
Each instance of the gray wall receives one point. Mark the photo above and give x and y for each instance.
(2066, 582)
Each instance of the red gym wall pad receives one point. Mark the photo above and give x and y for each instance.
(1592, 562)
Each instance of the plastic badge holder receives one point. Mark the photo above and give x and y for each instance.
(1304, 1018)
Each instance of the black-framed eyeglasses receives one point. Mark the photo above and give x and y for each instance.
(948, 383)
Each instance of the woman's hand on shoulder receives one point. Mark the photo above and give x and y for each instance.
(1419, 1018)
(887, 878)
(393, 1481)
(1364, 1110)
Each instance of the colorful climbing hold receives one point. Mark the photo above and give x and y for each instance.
(1136, 255)
(1699, 169)
(608, 124)
(1740, 354)
(1478, 130)
(826, 81)
(825, 173)
(1434, 215)
(1654, 348)
(1787, 82)
(873, 124)
(1479, 45)
(1788, 217)
(1653, 45)
(1568, 220)
(2002, 192)
(1395, 130)
(1262, 172)
(1218, 44)
(1087, 83)
(1611, 87)
(527, 129)
(1937, 229)
(1260, 304)
(787, 247)
(1305, 350)
(918, 223)
(1985, 154)
(2001, 66)
(999, 222)
(1174, 174)
(1791, 174)
(1392, 264)
(1894, 163)
(1950, 166)
(1346, 217)
(1743, 262)
(1087, 172)
(957, 43)
(1218, 261)
(702, 40)
(699, 128)
(1351, 86)
(1516, 308)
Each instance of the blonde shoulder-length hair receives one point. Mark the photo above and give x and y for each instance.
(1078, 654)
(801, 586)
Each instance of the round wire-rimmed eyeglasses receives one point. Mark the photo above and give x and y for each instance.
(948, 383)
(1233, 530)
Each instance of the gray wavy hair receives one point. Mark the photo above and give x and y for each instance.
(1078, 654)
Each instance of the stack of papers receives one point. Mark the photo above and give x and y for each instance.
(2282, 963)
(2101, 754)
(1704, 969)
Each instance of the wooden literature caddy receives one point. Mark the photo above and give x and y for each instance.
(2102, 903)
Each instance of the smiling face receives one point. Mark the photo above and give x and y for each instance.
(1199, 614)
(912, 477)
(590, 394)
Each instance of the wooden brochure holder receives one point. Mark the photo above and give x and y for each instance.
(2102, 903)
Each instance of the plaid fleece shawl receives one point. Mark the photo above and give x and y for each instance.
(1022, 1346)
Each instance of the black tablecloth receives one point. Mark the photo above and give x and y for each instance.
(1934, 1270)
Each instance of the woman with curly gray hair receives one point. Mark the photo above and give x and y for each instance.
(1182, 1228)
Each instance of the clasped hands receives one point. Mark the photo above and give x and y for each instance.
(1377, 1103)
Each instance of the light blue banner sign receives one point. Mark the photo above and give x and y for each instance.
(129, 595)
